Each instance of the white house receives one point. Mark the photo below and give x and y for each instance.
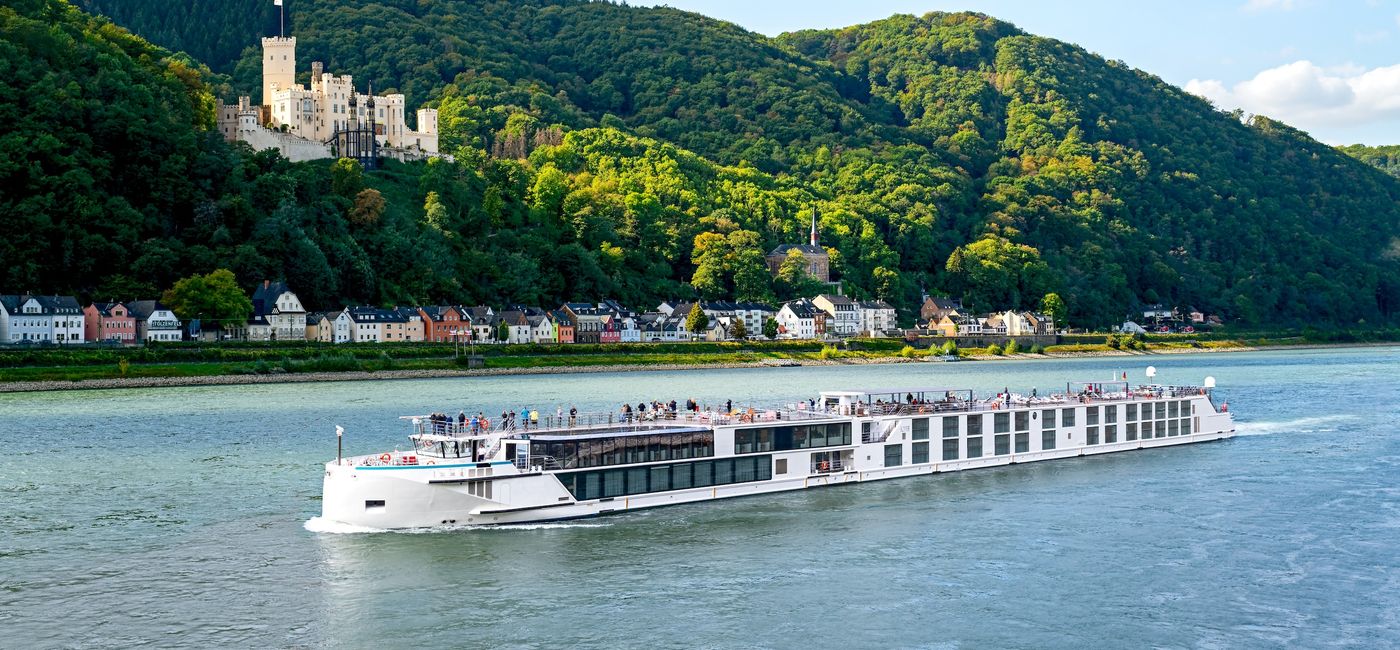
(1129, 327)
(800, 319)
(542, 329)
(628, 330)
(277, 314)
(155, 322)
(52, 319)
(1016, 324)
(875, 317)
(844, 320)
(366, 324)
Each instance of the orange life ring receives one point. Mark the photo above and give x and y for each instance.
(385, 457)
(823, 466)
(431, 462)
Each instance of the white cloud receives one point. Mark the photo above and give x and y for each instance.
(1269, 5)
(1311, 97)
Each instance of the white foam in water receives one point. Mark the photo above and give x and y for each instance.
(1300, 425)
(319, 525)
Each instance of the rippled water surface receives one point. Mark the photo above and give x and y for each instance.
(177, 517)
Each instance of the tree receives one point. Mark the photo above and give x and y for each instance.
(368, 208)
(503, 332)
(1054, 307)
(214, 297)
(737, 330)
(770, 328)
(696, 321)
(793, 280)
(347, 177)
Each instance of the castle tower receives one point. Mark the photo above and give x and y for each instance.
(279, 65)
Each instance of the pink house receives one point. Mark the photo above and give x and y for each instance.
(109, 321)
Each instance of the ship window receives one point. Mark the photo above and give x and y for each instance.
(724, 471)
(1185, 426)
(660, 478)
(374, 503)
(781, 466)
(974, 425)
(1110, 433)
(1132, 411)
(920, 427)
(1172, 427)
(1091, 415)
(704, 473)
(1161, 410)
(1146, 430)
(1067, 417)
(1002, 422)
(680, 475)
(1171, 409)
(591, 485)
(1003, 444)
(1023, 443)
(613, 482)
(1110, 414)
(950, 449)
(920, 453)
(1023, 420)
(950, 426)
(745, 469)
(636, 480)
(1047, 439)
(1047, 419)
(655, 450)
(1091, 436)
(1130, 431)
(894, 455)
(974, 447)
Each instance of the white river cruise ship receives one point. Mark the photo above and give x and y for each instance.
(565, 467)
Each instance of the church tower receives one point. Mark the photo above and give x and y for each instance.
(279, 65)
(814, 225)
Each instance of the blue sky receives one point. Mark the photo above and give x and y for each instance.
(1331, 68)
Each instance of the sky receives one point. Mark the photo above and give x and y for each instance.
(1329, 67)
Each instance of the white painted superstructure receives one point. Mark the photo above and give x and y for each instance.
(484, 473)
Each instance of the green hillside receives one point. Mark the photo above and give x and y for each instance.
(1385, 158)
(650, 153)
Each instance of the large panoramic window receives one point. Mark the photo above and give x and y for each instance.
(1047, 419)
(1003, 444)
(1091, 415)
(1067, 418)
(1002, 422)
(974, 447)
(1130, 431)
(1023, 420)
(920, 428)
(598, 452)
(1023, 442)
(974, 425)
(1131, 412)
(1091, 436)
(1047, 439)
(1110, 433)
(1110, 414)
(950, 426)
(604, 483)
(803, 436)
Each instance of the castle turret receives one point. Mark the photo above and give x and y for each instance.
(279, 65)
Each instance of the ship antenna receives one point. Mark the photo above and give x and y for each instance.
(339, 435)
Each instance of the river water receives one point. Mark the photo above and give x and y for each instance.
(179, 517)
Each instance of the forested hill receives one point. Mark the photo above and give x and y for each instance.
(645, 153)
(1385, 158)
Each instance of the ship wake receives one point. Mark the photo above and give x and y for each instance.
(1318, 424)
(327, 526)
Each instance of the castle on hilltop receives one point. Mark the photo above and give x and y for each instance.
(328, 120)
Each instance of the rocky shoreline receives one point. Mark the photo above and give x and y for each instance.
(285, 378)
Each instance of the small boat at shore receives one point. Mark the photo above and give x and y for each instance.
(586, 465)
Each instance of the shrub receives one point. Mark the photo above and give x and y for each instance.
(828, 352)
(994, 349)
(1113, 342)
(908, 352)
(1013, 347)
(1037, 349)
(950, 347)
